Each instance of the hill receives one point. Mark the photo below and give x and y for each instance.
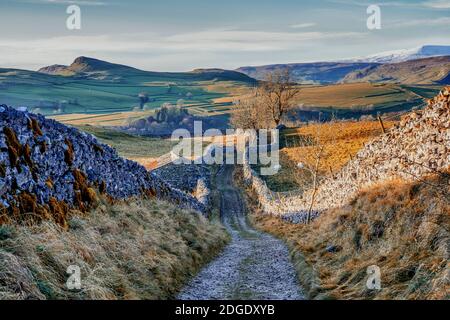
(318, 72)
(424, 65)
(421, 71)
(85, 65)
(94, 86)
(422, 52)
(98, 69)
(224, 75)
(359, 98)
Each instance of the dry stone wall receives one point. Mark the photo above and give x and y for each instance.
(191, 178)
(48, 160)
(419, 145)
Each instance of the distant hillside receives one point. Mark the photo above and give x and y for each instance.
(317, 72)
(103, 70)
(421, 71)
(94, 86)
(212, 74)
(406, 55)
(355, 69)
(85, 65)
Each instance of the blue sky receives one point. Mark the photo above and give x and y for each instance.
(177, 35)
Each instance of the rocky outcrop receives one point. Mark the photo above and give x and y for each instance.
(419, 145)
(44, 163)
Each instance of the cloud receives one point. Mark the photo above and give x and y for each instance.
(209, 40)
(443, 21)
(438, 4)
(33, 53)
(303, 25)
(242, 40)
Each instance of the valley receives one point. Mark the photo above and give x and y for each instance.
(97, 156)
(91, 91)
(224, 159)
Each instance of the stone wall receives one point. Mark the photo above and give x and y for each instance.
(419, 145)
(48, 160)
(194, 179)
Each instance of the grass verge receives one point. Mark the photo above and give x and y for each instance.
(139, 249)
(401, 227)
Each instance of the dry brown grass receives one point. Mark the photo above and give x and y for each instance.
(352, 94)
(232, 90)
(342, 141)
(401, 227)
(102, 119)
(142, 249)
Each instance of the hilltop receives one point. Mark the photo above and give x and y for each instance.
(421, 71)
(394, 56)
(315, 72)
(95, 68)
(424, 65)
(85, 65)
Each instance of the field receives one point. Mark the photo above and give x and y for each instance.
(143, 150)
(346, 100)
(102, 119)
(113, 100)
(341, 140)
(51, 95)
(149, 152)
(363, 97)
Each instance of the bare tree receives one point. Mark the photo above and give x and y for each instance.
(249, 113)
(278, 93)
(314, 167)
(268, 103)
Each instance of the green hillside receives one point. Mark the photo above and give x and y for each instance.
(94, 86)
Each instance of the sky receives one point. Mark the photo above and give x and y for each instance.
(181, 35)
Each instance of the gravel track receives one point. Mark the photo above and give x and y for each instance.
(254, 266)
